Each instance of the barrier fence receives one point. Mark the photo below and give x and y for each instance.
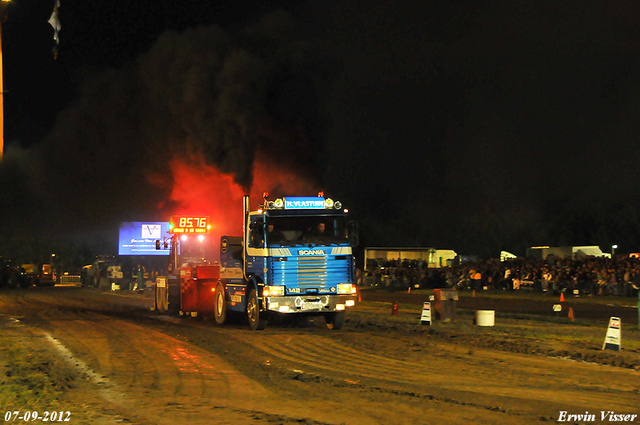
(71, 280)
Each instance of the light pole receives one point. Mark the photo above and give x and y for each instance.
(3, 18)
(613, 251)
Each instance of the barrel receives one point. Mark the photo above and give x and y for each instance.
(485, 317)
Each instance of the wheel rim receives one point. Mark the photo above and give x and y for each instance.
(252, 309)
(219, 303)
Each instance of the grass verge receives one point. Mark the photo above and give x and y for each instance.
(32, 376)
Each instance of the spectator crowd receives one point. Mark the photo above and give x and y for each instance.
(589, 275)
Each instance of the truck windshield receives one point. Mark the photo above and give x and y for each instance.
(319, 230)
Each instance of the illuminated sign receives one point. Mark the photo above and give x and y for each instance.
(315, 203)
(189, 224)
(139, 238)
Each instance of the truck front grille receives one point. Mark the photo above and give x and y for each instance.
(312, 272)
(321, 273)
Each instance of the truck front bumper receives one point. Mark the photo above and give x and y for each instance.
(310, 303)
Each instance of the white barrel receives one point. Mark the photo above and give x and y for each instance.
(485, 317)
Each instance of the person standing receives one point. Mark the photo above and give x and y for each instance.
(140, 277)
(476, 280)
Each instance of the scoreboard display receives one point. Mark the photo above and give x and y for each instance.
(179, 224)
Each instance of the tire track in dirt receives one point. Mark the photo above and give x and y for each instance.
(521, 384)
(132, 372)
(354, 384)
(169, 380)
(155, 366)
(490, 381)
(320, 352)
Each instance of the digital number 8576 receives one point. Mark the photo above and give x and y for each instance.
(191, 222)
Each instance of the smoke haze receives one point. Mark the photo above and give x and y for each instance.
(196, 122)
(474, 126)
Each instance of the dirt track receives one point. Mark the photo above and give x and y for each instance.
(138, 367)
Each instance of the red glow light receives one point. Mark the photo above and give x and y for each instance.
(201, 189)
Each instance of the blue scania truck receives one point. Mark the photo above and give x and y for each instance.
(295, 258)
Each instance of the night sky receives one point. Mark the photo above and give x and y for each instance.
(474, 126)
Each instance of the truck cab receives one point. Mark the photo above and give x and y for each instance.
(296, 258)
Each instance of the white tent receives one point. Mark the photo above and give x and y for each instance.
(587, 251)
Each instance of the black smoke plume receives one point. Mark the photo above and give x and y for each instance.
(203, 93)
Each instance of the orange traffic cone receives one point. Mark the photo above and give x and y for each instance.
(571, 314)
(474, 293)
(359, 297)
(561, 297)
(409, 291)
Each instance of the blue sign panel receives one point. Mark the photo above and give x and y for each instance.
(307, 203)
(139, 238)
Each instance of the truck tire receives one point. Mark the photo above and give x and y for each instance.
(257, 321)
(162, 301)
(335, 321)
(220, 304)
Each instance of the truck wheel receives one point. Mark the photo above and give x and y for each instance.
(162, 302)
(335, 321)
(220, 305)
(253, 312)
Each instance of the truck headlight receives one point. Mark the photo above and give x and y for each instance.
(273, 291)
(344, 288)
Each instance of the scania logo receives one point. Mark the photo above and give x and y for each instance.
(311, 252)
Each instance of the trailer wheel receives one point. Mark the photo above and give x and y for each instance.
(256, 322)
(220, 305)
(335, 321)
